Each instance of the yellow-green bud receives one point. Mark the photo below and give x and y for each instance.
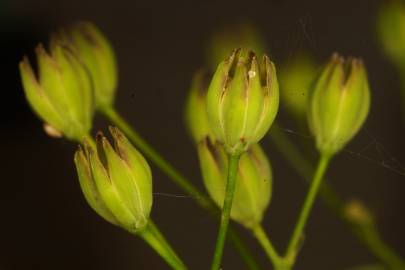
(242, 100)
(96, 52)
(62, 94)
(116, 182)
(253, 183)
(355, 211)
(196, 116)
(295, 80)
(339, 103)
(391, 30)
(234, 36)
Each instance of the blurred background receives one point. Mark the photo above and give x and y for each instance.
(45, 222)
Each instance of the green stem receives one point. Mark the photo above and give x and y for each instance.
(159, 236)
(201, 199)
(155, 157)
(304, 168)
(242, 250)
(369, 237)
(226, 211)
(155, 239)
(307, 206)
(382, 251)
(268, 247)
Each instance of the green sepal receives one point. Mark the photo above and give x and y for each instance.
(37, 97)
(253, 184)
(109, 193)
(125, 183)
(89, 188)
(99, 57)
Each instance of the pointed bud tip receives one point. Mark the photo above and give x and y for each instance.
(26, 69)
(115, 132)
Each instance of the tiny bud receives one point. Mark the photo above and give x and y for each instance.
(196, 117)
(295, 79)
(357, 212)
(338, 104)
(391, 30)
(253, 184)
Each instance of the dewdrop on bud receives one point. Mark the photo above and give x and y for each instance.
(338, 104)
(242, 100)
(253, 184)
(97, 54)
(116, 181)
(61, 94)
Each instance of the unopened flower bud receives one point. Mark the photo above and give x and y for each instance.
(116, 181)
(242, 100)
(96, 52)
(339, 103)
(391, 30)
(253, 183)
(356, 211)
(196, 116)
(62, 93)
(295, 80)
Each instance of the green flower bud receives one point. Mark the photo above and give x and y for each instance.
(355, 211)
(196, 116)
(62, 93)
(242, 100)
(253, 183)
(391, 30)
(235, 36)
(93, 48)
(339, 103)
(295, 81)
(116, 182)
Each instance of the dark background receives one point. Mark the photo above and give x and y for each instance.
(45, 222)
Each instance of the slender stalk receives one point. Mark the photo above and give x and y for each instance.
(201, 199)
(304, 168)
(159, 236)
(307, 206)
(382, 251)
(155, 157)
(226, 211)
(156, 240)
(242, 250)
(268, 247)
(368, 236)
